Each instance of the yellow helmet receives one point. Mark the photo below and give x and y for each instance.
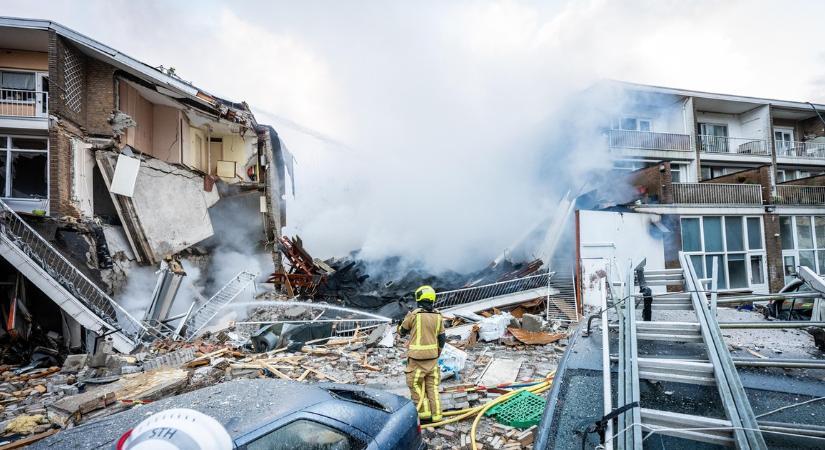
(425, 294)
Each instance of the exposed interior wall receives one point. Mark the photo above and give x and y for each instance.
(239, 149)
(142, 112)
(83, 177)
(610, 241)
(166, 141)
(194, 152)
(24, 60)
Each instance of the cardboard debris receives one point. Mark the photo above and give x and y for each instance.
(535, 337)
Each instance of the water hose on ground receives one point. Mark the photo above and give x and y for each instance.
(481, 409)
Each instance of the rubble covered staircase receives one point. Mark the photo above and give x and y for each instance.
(67, 286)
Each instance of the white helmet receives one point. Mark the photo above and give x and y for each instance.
(177, 429)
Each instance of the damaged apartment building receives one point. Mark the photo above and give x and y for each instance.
(108, 164)
(735, 179)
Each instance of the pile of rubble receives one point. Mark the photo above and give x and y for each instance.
(38, 402)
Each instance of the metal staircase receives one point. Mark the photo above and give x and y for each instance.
(58, 278)
(207, 311)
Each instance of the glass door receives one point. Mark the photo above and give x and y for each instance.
(783, 140)
(713, 137)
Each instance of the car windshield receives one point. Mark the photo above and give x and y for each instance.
(305, 435)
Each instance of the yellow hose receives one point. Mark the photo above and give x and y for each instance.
(480, 410)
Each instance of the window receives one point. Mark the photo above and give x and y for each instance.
(803, 243)
(780, 176)
(632, 124)
(676, 173)
(707, 174)
(305, 435)
(783, 140)
(23, 167)
(735, 242)
(22, 81)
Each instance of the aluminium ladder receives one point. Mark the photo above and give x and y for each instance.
(743, 429)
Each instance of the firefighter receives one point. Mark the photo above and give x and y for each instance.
(424, 324)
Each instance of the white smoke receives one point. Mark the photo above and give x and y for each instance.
(455, 117)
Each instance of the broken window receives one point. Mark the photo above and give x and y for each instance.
(24, 167)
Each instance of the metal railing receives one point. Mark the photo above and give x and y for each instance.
(796, 149)
(717, 193)
(17, 232)
(209, 309)
(800, 195)
(732, 145)
(447, 299)
(649, 140)
(23, 103)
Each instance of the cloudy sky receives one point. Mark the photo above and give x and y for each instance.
(414, 123)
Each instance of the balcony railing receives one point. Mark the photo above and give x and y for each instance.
(717, 193)
(648, 140)
(22, 103)
(800, 195)
(796, 149)
(731, 145)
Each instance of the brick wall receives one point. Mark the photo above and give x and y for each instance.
(654, 184)
(773, 251)
(100, 97)
(758, 175)
(67, 80)
(811, 127)
(82, 97)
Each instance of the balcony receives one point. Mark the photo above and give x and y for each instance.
(796, 149)
(717, 194)
(24, 104)
(723, 145)
(648, 140)
(800, 195)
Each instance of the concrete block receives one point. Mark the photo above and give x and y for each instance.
(531, 322)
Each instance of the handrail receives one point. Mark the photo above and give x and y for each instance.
(446, 299)
(24, 103)
(21, 235)
(210, 308)
(717, 193)
(649, 140)
(733, 145)
(791, 194)
(798, 149)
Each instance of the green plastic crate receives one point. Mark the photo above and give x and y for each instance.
(523, 410)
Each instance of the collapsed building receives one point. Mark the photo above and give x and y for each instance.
(108, 164)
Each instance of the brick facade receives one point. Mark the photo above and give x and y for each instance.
(758, 175)
(773, 251)
(654, 184)
(82, 98)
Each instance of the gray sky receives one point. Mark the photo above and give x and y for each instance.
(433, 101)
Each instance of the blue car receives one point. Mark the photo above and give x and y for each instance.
(265, 414)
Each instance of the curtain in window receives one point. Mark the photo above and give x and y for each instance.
(17, 80)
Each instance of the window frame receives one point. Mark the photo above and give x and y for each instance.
(746, 252)
(6, 189)
(818, 261)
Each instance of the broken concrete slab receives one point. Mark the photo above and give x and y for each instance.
(377, 335)
(500, 371)
(531, 322)
(157, 228)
